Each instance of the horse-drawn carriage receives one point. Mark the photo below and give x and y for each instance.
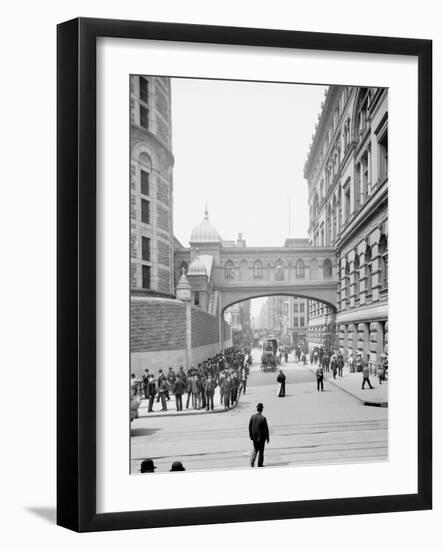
(269, 358)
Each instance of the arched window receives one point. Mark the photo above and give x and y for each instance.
(327, 269)
(229, 270)
(368, 270)
(300, 269)
(279, 271)
(383, 251)
(258, 269)
(145, 174)
(183, 266)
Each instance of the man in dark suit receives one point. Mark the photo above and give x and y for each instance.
(259, 434)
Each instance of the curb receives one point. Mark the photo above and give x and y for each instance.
(185, 413)
(365, 402)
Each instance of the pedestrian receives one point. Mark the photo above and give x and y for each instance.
(244, 379)
(325, 362)
(281, 379)
(227, 388)
(380, 373)
(147, 466)
(365, 372)
(195, 389)
(209, 390)
(162, 390)
(188, 390)
(151, 392)
(259, 434)
(359, 362)
(351, 363)
(177, 466)
(161, 377)
(170, 381)
(319, 374)
(145, 381)
(334, 366)
(234, 387)
(340, 363)
(178, 389)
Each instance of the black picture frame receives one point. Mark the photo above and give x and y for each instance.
(76, 268)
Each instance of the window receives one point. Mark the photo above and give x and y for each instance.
(196, 298)
(357, 276)
(347, 203)
(258, 270)
(300, 269)
(357, 187)
(368, 270)
(144, 117)
(144, 182)
(146, 215)
(347, 282)
(383, 157)
(302, 308)
(295, 322)
(143, 89)
(183, 266)
(146, 249)
(302, 321)
(229, 270)
(146, 276)
(295, 308)
(334, 220)
(327, 269)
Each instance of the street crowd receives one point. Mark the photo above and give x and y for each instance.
(195, 386)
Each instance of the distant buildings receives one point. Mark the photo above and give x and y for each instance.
(285, 316)
(347, 173)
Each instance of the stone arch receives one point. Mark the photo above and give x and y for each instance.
(144, 150)
(145, 159)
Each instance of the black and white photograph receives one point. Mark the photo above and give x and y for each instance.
(258, 227)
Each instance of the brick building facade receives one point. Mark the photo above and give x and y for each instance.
(347, 173)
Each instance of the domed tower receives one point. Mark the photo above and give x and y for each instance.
(206, 239)
(151, 186)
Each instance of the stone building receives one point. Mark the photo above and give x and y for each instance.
(166, 329)
(347, 174)
(152, 241)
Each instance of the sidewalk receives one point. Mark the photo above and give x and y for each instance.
(351, 382)
(143, 409)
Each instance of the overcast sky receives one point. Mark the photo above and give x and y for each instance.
(240, 147)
